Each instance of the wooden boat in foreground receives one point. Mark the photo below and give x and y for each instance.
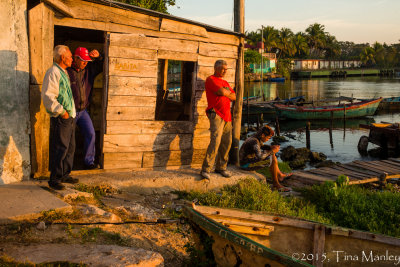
(346, 110)
(243, 238)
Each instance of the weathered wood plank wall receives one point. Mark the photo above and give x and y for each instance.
(133, 139)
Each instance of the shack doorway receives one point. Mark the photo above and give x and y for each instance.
(90, 39)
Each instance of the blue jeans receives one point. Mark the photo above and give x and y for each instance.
(85, 124)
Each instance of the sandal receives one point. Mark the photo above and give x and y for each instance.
(284, 189)
(287, 175)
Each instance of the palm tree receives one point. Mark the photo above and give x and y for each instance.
(300, 42)
(253, 38)
(368, 56)
(316, 38)
(270, 35)
(285, 43)
(332, 47)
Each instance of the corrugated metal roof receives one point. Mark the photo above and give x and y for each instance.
(160, 15)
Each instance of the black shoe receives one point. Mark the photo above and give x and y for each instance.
(224, 173)
(91, 166)
(70, 180)
(56, 185)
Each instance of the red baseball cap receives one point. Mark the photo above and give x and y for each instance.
(82, 53)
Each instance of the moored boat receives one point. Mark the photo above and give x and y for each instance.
(244, 238)
(345, 110)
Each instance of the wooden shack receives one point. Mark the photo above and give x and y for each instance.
(149, 104)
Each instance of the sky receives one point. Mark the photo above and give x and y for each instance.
(359, 21)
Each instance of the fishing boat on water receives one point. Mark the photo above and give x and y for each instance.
(345, 110)
(244, 238)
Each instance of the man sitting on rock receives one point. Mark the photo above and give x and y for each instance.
(253, 151)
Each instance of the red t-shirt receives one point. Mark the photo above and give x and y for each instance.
(221, 104)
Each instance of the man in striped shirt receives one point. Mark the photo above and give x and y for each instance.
(59, 103)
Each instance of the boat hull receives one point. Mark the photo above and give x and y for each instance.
(290, 241)
(362, 109)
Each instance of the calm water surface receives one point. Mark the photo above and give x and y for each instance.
(345, 135)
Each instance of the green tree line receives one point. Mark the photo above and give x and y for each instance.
(316, 43)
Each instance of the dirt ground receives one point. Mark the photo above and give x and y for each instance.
(107, 206)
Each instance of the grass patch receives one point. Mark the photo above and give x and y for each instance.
(96, 234)
(357, 207)
(331, 203)
(250, 194)
(59, 216)
(283, 166)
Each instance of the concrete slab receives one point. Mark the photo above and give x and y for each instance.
(26, 200)
(162, 181)
(92, 255)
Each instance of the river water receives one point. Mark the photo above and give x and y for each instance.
(345, 134)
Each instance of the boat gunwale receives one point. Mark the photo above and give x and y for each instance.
(301, 109)
(306, 224)
(233, 236)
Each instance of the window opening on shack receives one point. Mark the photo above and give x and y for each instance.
(174, 90)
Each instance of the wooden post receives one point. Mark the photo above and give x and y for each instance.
(248, 110)
(239, 81)
(308, 141)
(277, 127)
(318, 245)
(41, 44)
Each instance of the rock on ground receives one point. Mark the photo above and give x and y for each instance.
(92, 255)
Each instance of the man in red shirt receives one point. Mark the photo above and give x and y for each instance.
(219, 96)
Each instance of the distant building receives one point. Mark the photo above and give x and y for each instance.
(318, 64)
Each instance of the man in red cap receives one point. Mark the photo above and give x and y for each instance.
(82, 74)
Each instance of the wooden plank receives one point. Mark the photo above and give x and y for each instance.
(218, 50)
(60, 7)
(394, 163)
(168, 25)
(172, 158)
(41, 41)
(201, 132)
(96, 12)
(133, 68)
(178, 45)
(173, 55)
(332, 171)
(133, 53)
(390, 167)
(370, 166)
(353, 174)
(222, 38)
(323, 173)
(254, 216)
(133, 86)
(149, 127)
(131, 101)
(130, 113)
(313, 177)
(123, 160)
(356, 168)
(395, 159)
(133, 41)
(210, 61)
(118, 28)
(204, 72)
(318, 244)
(201, 121)
(201, 142)
(147, 142)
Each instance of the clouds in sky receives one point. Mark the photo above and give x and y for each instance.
(360, 21)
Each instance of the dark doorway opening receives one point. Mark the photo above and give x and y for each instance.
(90, 39)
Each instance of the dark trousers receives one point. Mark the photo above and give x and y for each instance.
(63, 147)
(85, 124)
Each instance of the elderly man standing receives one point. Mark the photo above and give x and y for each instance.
(59, 103)
(82, 74)
(219, 96)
